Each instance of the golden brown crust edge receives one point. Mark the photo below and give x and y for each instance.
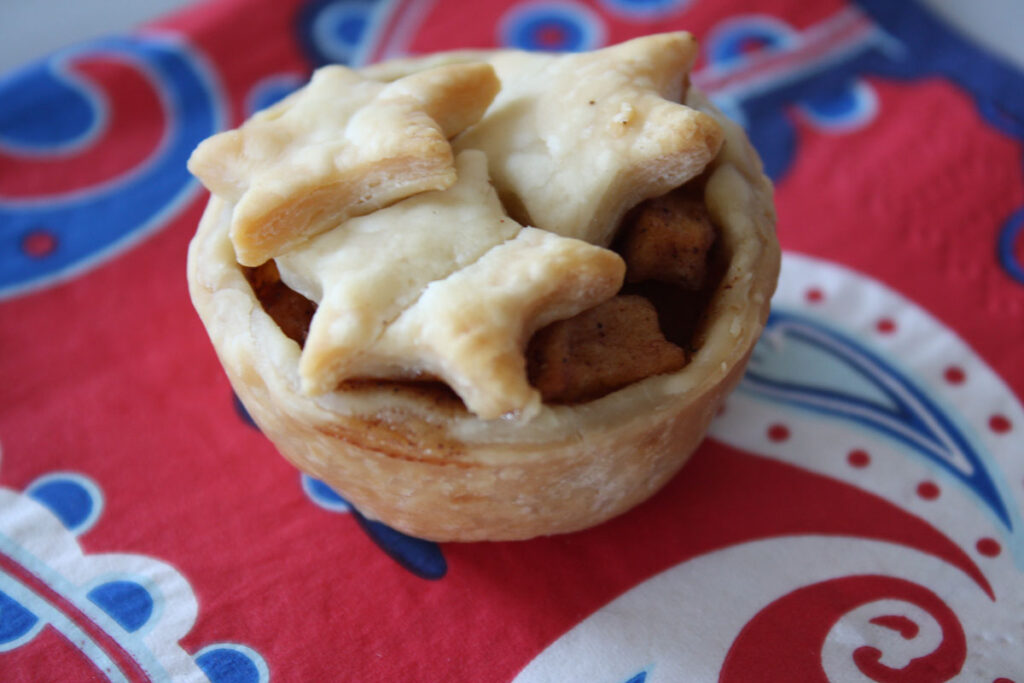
(422, 464)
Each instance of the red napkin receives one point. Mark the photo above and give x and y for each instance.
(855, 514)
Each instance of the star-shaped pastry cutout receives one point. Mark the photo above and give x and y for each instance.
(576, 140)
(471, 328)
(442, 285)
(342, 146)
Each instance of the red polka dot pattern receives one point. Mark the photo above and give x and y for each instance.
(778, 432)
(989, 547)
(954, 375)
(858, 458)
(886, 326)
(999, 424)
(39, 243)
(928, 490)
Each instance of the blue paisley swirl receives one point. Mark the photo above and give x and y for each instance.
(90, 225)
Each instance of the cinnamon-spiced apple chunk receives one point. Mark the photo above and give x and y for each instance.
(667, 239)
(600, 350)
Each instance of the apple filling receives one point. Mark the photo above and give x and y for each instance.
(652, 326)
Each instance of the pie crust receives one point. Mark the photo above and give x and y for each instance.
(411, 454)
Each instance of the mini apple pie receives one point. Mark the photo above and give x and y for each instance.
(487, 295)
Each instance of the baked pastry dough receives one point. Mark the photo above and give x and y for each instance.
(459, 301)
(342, 146)
(462, 288)
(573, 141)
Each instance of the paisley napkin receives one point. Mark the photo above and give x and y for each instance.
(855, 514)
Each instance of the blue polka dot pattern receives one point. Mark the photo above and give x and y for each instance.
(334, 31)
(140, 605)
(16, 622)
(555, 27)
(842, 108)
(735, 40)
(127, 602)
(645, 9)
(74, 499)
(232, 664)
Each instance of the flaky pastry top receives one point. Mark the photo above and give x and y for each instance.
(342, 146)
(430, 271)
(443, 284)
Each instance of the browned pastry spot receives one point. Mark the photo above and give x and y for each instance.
(600, 350)
(290, 310)
(668, 239)
(425, 387)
